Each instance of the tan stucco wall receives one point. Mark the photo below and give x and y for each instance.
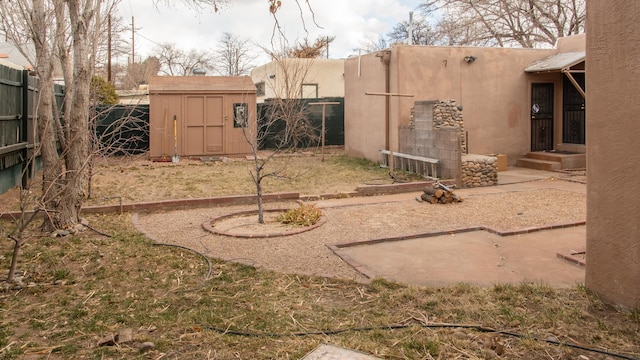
(571, 43)
(493, 90)
(327, 73)
(364, 120)
(613, 151)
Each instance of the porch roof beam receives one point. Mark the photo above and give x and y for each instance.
(567, 73)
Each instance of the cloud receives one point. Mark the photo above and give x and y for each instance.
(350, 21)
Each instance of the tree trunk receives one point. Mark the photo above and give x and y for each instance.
(47, 147)
(78, 137)
(259, 189)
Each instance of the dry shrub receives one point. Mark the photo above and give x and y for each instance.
(304, 215)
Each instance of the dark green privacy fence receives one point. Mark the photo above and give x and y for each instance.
(122, 129)
(334, 122)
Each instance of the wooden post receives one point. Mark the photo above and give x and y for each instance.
(324, 104)
(388, 130)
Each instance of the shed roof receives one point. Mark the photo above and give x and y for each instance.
(201, 83)
(556, 62)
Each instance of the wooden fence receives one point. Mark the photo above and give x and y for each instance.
(18, 101)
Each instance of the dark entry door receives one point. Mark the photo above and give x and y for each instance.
(541, 117)
(573, 129)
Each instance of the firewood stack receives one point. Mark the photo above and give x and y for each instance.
(439, 194)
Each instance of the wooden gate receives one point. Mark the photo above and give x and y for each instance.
(542, 117)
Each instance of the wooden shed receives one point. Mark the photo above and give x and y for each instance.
(200, 115)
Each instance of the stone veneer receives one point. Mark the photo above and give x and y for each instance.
(446, 114)
(479, 170)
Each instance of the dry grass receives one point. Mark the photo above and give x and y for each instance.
(143, 180)
(108, 284)
(78, 289)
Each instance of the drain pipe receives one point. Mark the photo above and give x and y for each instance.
(385, 58)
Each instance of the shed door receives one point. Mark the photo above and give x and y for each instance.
(541, 117)
(204, 125)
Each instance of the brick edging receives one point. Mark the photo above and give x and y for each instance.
(207, 225)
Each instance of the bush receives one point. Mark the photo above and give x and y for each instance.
(305, 215)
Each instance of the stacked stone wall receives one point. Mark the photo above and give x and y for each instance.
(479, 170)
(449, 114)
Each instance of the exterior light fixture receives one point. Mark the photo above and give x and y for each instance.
(470, 58)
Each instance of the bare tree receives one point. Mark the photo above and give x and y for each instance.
(307, 50)
(176, 62)
(67, 31)
(234, 56)
(138, 73)
(287, 103)
(422, 33)
(373, 44)
(285, 124)
(524, 23)
(215, 5)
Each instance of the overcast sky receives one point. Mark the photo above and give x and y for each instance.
(350, 21)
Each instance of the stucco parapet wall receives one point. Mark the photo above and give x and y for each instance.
(479, 170)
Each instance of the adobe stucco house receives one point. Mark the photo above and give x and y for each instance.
(306, 79)
(514, 101)
(613, 220)
(209, 113)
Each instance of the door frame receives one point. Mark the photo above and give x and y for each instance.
(542, 116)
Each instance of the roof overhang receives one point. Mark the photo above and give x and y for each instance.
(557, 62)
(562, 62)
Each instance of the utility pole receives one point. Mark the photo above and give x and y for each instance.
(133, 42)
(410, 27)
(327, 52)
(109, 53)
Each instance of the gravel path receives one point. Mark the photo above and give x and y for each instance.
(307, 253)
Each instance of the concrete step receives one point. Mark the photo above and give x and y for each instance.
(566, 160)
(539, 164)
(546, 156)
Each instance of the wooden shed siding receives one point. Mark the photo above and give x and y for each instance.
(203, 109)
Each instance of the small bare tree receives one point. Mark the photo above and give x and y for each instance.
(285, 124)
(286, 113)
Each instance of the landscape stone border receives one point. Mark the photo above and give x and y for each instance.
(209, 225)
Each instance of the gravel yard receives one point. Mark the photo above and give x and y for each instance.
(307, 253)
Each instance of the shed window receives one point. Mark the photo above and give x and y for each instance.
(240, 115)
